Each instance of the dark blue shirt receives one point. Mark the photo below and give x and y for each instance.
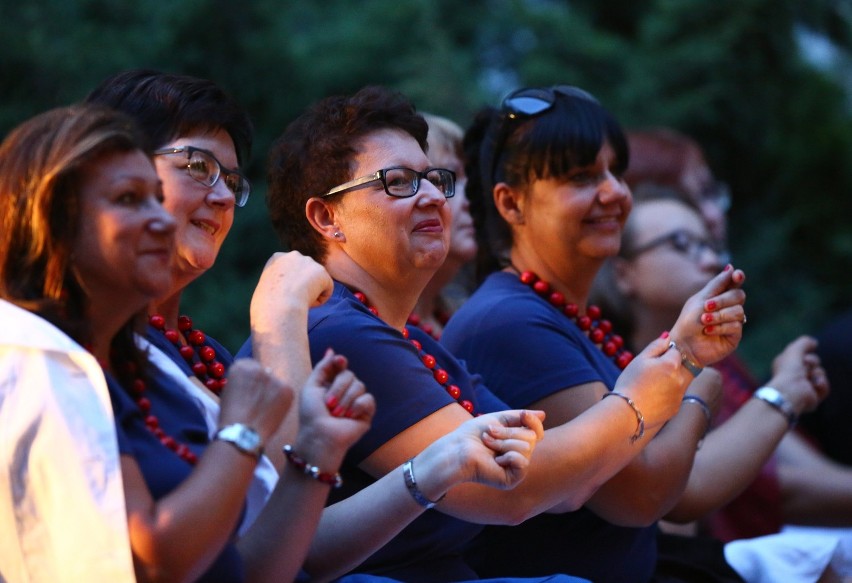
(161, 468)
(429, 550)
(526, 350)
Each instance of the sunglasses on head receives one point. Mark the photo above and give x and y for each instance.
(526, 103)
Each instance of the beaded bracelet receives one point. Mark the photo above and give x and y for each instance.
(640, 419)
(334, 480)
(690, 365)
(707, 414)
(411, 484)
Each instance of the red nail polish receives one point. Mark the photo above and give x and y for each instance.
(337, 412)
(709, 329)
(729, 267)
(708, 318)
(348, 414)
(710, 306)
(331, 402)
(665, 334)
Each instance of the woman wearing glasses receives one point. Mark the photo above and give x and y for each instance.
(546, 189)
(351, 185)
(665, 254)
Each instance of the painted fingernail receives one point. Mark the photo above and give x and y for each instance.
(338, 411)
(729, 267)
(331, 402)
(707, 318)
(709, 329)
(710, 306)
(348, 414)
(665, 334)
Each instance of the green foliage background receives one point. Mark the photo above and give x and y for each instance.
(728, 72)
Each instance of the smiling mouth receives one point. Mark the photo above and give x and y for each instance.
(209, 229)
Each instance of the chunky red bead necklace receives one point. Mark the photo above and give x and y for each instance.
(209, 371)
(137, 393)
(599, 331)
(441, 376)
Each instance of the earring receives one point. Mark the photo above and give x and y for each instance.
(336, 234)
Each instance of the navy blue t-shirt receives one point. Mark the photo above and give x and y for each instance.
(161, 468)
(526, 350)
(429, 549)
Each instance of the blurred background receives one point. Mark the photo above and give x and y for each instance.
(764, 85)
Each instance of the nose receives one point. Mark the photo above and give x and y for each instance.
(161, 221)
(428, 194)
(709, 259)
(612, 189)
(221, 196)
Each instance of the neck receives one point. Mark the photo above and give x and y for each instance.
(105, 323)
(572, 278)
(649, 323)
(429, 301)
(394, 297)
(168, 308)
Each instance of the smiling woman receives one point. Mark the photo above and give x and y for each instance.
(382, 249)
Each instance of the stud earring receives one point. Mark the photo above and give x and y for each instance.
(336, 234)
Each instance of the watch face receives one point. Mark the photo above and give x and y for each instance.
(245, 438)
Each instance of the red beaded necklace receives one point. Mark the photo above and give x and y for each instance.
(441, 376)
(599, 331)
(152, 424)
(209, 371)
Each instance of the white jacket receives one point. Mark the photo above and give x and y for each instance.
(62, 513)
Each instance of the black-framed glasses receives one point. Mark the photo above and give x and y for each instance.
(402, 182)
(526, 103)
(205, 168)
(683, 242)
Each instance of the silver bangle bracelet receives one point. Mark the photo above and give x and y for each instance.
(688, 364)
(707, 414)
(640, 419)
(411, 485)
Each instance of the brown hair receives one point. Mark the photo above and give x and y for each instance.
(41, 164)
(315, 152)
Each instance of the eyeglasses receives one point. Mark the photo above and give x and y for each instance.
(681, 241)
(206, 169)
(717, 193)
(402, 182)
(526, 103)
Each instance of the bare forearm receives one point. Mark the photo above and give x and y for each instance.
(814, 489)
(648, 487)
(737, 450)
(178, 537)
(283, 347)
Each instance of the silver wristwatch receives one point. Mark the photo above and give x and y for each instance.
(772, 396)
(243, 437)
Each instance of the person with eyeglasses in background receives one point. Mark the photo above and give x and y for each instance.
(547, 190)
(351, 184)
(661, 160)
(449, 287)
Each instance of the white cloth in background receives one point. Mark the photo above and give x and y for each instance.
(62, 512)
(265, 475)
(797, 554)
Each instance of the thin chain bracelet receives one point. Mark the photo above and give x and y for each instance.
(334, 480)
(640, 419)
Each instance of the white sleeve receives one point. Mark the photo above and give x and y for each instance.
(62, 512)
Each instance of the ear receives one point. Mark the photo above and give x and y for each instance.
(623, 276)
(320, 214)
(509, 203)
